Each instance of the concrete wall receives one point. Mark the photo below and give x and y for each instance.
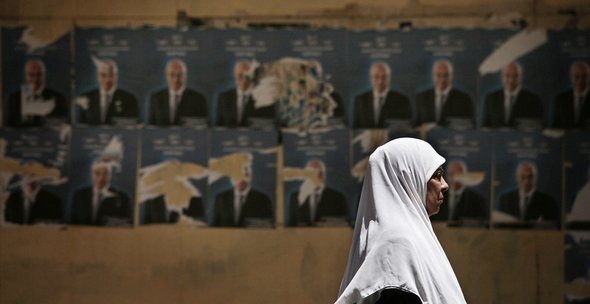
(188, 265)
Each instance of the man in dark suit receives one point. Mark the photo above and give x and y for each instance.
(156, 211)
(373, 109)
(243, 206)
(31, 204)
(513, 106)
(322, 206)
(571, 109)
(460, 202)
(237, 107)
(177, 105)
(101, 204)
(108, 105)
(526, 203)
(35, 105)
(443, 104)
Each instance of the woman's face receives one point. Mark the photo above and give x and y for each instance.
(434, 192)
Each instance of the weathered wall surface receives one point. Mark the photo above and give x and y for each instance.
(188, 265)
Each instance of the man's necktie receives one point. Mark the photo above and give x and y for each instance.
(377, 110)
(96, 205)
(524, 206)
(313, 206)
(439, 106)
(508, 111)
(238, 209)
(105, 101)
(174, 106)
(578, 109)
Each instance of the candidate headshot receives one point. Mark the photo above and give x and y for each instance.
(378, 106)
(443, 104)
(243, 206)
(323, 205)
(101, 204)
(237, 107)
(177, 105)
(108, 104)
(31, 204)
(571, 109)
(513, 106)
(461, 203)
(527, 203)
(35, 105)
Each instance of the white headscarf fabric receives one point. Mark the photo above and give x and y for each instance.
(394, 245)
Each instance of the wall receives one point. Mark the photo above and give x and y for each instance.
(189, 265)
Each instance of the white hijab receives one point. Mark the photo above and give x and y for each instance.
(393, 244)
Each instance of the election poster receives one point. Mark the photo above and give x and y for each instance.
(568, 72)
(316, 179)
(34, 172)
(381, 77)
(36, 78)
(242, 178)
(102, 187)
(180, 86)
(527, 166)
(172, 180)
(240, 77)
(468, 172)
(110, 70)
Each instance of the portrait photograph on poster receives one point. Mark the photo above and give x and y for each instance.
(316, 180)
(35, 79)
(468, 174)
(242, 179)
(526, 166)
(172, 181)
(34, 166)
(102, 188)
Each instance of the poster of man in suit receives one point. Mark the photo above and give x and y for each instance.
(178, 105)
(444, 89)
(180, 89)
(242, 178)
(526, 195)
(568, 83)
(373, 108)
(172, 184)
(108, 82)
(443, 104)
(34, 176)
(36, 79)
(102, 191)
(381, 80)
(513, 106)
(468, 172)
(316, 179)
(233, 77)
(237, 107)
(517, 93)
(571, 108)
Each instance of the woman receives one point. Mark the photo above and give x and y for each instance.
(395, 256)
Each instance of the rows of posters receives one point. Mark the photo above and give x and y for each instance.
(266, 79)
(161, 126)
(230, 177)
